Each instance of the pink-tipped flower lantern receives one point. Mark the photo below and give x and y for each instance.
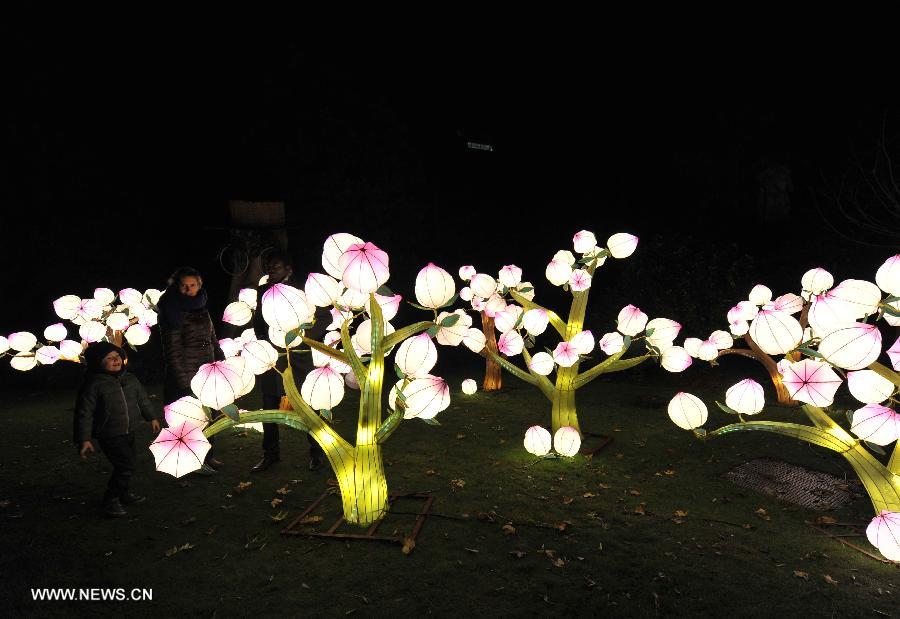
(687, 411)
(323, 389)
(286, 308)
(137, 334)
(510, 276)
(416, 356)
(631, 320)
(888, 276)
(55, 333)
(335, 246)
(364, 268)
(180, 450)
(426, 397)
(584, 242)
(853, 347)
(217, 384)
(869, 387)
(884, 533)
(876, 424)
(775, 332)
(542, 364)
(621, 245)
(185, 409)
(237, 313)
(816, 281)
(746, 397)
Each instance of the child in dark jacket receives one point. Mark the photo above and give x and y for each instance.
(110, 402)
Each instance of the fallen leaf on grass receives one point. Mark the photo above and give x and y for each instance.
(472, 550)
(508, 529)
(460, 436)
(484, 516)
(331, 481)
(619, 456)
(640, 509)
(670, 472)
(763, 514)
(276, 502)
(243, 485)
(634, 492)
(603, 486)
(188, 521)
(803, 575)
(680, 513)
(829, 580)
(408, 545)
(825, 520)
(456, 484)
(5, 503)
(567, 500)
(430, 472)
(175, 549)
(588, 495)
(279, 516)
(677, 520)
(283, 491)
(211, 530)
(517, 553)
(559, 562)
(311, 520)
(747, 525)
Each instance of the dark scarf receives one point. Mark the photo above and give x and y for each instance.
(173, 304)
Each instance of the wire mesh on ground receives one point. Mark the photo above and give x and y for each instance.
(795, 484)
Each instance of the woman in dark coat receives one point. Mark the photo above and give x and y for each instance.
(188, 337)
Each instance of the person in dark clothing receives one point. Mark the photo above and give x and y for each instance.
(188, 338)
(280, 269)
(110, 402)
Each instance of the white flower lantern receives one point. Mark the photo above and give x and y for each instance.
(286, 308)
(687, 411)
(888, 276)
(746, 397)
(434, 286)
(335, 246)
(621, 245)
(535, 321)
(238, 313)
(567, 441)
(538, 441)
(426, 397)
(760, 295)
(854, 347)
(55, 333)
(416, 356)
(137, 334)
(876, 424)
(676, 359)
(469, 386)
(631, 320)
(322, 290)
(584, 242)
(558, 272)
(775, 332)
(217, 384)
(510, 275)
(869, 387)
(323, 389)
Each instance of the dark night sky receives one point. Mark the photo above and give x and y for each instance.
(119, 157)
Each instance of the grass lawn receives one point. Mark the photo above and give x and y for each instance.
(579, 537)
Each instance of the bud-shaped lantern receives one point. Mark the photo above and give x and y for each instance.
(853, 347)
(538, 441)
(416, 355)
(816, 281)
(364, 267)
(746, 397)
(185, 409)
(426, 397)
(469, 386)
(558, 272)
(775, 332)
(137, 334)
(323, 389)
(542, 363)
(567, 441)
(584, 242)
(876, 424)
(237, 313)
(286, 308)
(869, 387)
(888, 276)
(434, 286)
(621, 245)
(483, 285)
(335, 246)
(884, 533)
(631, 320)
(687, 411)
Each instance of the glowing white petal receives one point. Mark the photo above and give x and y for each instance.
(286, 308)
(494, 305)
(721, 339)
(621, 245)
(452, 336)
(322, 389)
(584, 242)
(92, 331)
(465, 294)
(565, 256)
(538, 441)
(130, 297)
(186, 409)
(631, 320)
(47, 355)
(876, 424)
(535, 321)
(417, 355)
(664, 331)
(474, 340)
(510, 276)
(611, 343)
(483, 285)
(542, 363)
(869, 387)
(67, 307)
(816, 281)
(760, 295)
(888, 276)
(775, 332)
(583, 342)
(580, 280)
(259, 355)
(567, 441)
(687, 411)
(558, 273)
(389, 305)
(707, 351)
(137, 334)
(467, 272)
(335, 246)
(54, 333)
(250, 296)
(434, 286)
(70, 350)
(676, 359)
(526, 290)
(854, 347)
(861, 297)
(23, 361)
(746, 397)
(230, 347)
(117, 321)
(322, 290)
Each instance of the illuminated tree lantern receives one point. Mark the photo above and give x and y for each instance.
(217, 384)
(894, 354)
(456, 333)
(23, 361)
(567, 441)
(47, 355)
(675, 359)
(692, 346)
(746, 397)
(775, 332)
(117, 321)
(506, 320)
(621, 245)
(687, 411)
(335, 246)
(478, 304)
(888, 276)
(364, 267)
(869, 387)
(474, 340)
(707, 351)
(248, 378)
(259, 355)
(721, 340)
(816, 281)
(467, 272)
(565, 355)
(631, 320)
(186, 409)
(322, 290)
(350, 381)
(426, 397)
(179, 450)
(148, 317)
(854, 347)
(538, 441)
(579, 280)
(828, 312)
(469, 386)
(389, 305)
(495, 304)
(88, 310)
(565, 256)
(535, 321)
(104, 296)
(151, 296)
(584, 242)
(137, 334)
(664, 332)
(55, 333)
(760, 295)
(66, 307)
(542, 364)
(70, 350)
(583, 342)
(876, 424)
(286, 308)
(510, 344)
(248, 295)
(230, 347)
(558, 273)
(788, 303)
(130, 297)
(483, 285)
(416, 356)
(238, 313)
(611, 343)
(434, 286)
(4, 344)
(92, 331)
(739, 327)
(465, 294)
(884, 533)
(362, 339)
(813, 382)
(745, 310)
(510, 275)
(860, 297)
(323, 389)
(526, 291)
